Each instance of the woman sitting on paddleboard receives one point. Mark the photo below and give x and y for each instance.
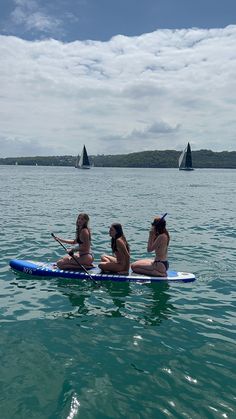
(81, 250)
(158, 242)
(118, 263)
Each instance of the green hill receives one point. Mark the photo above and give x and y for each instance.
(155, 159)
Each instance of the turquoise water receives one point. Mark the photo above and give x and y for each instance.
(73, 350)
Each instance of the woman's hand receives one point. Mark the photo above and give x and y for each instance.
(152, 231)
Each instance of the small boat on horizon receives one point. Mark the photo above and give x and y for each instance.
(185, 159)
(82, 162)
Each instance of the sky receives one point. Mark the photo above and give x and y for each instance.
(119, 76)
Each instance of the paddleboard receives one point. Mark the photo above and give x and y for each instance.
(44, 269)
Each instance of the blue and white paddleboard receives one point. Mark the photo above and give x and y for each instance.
(45, 269)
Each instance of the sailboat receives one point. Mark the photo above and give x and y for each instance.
(185, 160)
(82, 162)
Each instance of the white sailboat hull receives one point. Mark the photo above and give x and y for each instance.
(186, 168)
(83, 167)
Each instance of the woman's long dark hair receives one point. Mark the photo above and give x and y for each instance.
(119, 233)
(160, 227)
(77, 237)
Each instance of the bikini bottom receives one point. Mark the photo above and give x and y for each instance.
(165, 263)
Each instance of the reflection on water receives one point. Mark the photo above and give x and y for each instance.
(143, 303)
(160, 308)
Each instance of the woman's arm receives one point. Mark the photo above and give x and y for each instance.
(151, 246)
(71, 242)
(159, 245)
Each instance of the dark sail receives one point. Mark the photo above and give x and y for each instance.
(85, 157)
(185, 160)
(82, 162)
(188, 158)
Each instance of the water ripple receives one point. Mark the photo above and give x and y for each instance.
(71, 349)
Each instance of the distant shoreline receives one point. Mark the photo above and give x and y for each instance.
(205, 159)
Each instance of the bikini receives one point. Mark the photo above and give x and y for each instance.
(165, 263)
(82, 254)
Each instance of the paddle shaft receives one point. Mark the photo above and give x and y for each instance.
(163, 216)
(82, 267)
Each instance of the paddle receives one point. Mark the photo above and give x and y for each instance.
(82, 267)
(163, 216)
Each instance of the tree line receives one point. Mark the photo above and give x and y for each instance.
(146, 159)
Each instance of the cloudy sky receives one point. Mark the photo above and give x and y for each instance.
(116, 75)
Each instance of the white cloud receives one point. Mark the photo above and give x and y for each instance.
(32, 17)
(22, 147)
(155, 91)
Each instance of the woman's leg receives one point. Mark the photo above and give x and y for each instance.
(65, 262)
(69, 262)
(85, 260)
(159, 269)
(141, 264)
(148, 267)
(112, 266)
(107, 258)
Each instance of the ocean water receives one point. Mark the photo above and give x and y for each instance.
(73, 350)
